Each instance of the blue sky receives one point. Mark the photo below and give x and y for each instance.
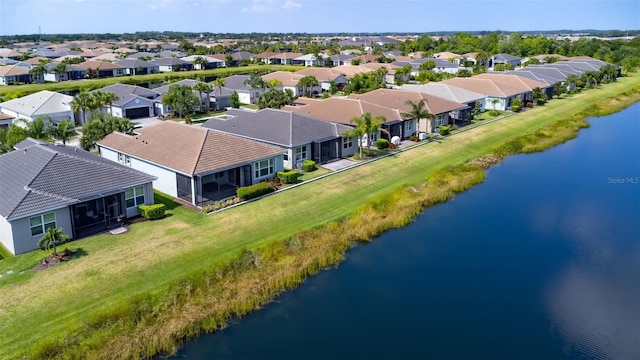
(118, 16)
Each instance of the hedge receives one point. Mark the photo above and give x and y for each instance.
(151, 212)
(308, 165)
(445, 130)
(288, 177)
(254, 191)
(382, 144)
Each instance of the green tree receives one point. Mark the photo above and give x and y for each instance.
(571, 82)
(201, 61)
(255, 82)
(367, 126)
(101, 99)
(464, 73)
(477, 109)
(62, 131)
(203, 87)
(275, 99)
(235, 100)
(10, 137)
(609, 72)
(494, 102)
(37, 71)
(60, 70)
(82, 102)
(182, 99)
(418, 112)
(101, 125)
(37, 128)
(516, 104)
(307, 83)
(52, 238)
(218, 84)
(427, 65)
(558, 89)
(539, 97)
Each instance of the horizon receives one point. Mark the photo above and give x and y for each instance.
(289, 16)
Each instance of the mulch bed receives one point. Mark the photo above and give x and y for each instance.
(51, 260)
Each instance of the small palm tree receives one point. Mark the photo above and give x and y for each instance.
(417, 112)
(494, 102)
(82, 102)
(203, 87)
(62, 131)
(52, 238)
(39, 70)
(218, 84)
(108, 98)
(60, 70)
(38, 128)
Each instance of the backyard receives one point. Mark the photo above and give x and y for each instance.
(110, 271)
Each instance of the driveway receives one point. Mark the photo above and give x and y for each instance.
(146, 122)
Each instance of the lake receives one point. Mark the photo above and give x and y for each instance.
(542, 260)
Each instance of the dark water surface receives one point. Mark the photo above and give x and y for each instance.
(540, 261)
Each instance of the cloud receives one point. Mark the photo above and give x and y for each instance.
(258, 6)
(290, 5)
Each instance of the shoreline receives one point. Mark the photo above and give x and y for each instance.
(204, 302)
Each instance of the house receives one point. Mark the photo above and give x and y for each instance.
(133, 101)
(310, 60)
(217, 98)
(505, 59)
(362, 59)
(11, 74)
(138, 67)
(342, 110)
(448, 56)
(240, 56)
(368, 41)
(207, 62)
(266, 57)
(168, 64)
(289, 80)
(521, 82)
(102, 69)
(451, 93)
(195, 164)
(246, 93)
(72, 72)
(444, 111)
(46, 185)
(301, 137)
(44, 103)
(339, 59)
(325, 77)
(285, 58)
(6, 120)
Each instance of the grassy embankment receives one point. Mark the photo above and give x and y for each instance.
(141, 293)
(15, 91)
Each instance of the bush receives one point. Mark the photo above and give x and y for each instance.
(382, 144)
(308, 165)
(254, 191)
(494, 113)
(221, 204)
(288, 177)
(515, 108)
(445, 130)
(152, 212)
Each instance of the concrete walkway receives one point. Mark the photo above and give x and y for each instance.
(339, 165)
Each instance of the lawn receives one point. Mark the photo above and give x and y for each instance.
(91, 84)
(58, 302)
(249, 106)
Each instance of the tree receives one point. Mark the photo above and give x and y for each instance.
(367, 126)
(62, 131)
(101, 125)
(38, 128)
(609, 72)
(516, 104)
(476, 110)
(82, 102)
(308, 82)
(464, 73)
(52, 238)
(38, 71)
(494, 102)
(10, 137)
(60, 70)
(417, 112)
(203, 87)
(558, 89)
(427, 65)
(539, 97)
(199, 60)
(182, 99)
(255, 82)
(235, 100)
(218, 84)
(382, 72)
(404, 73)
(273, 83)
(101, 99)
(571, 82)
(275, 99)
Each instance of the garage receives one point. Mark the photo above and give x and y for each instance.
(135, 113)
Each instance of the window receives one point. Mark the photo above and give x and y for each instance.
(286, 156)
(263, 168)
(301, 153)
(347, 142)
(134, 196)
(440, 120)
(409, 126)
(39, 224)
(124, 159)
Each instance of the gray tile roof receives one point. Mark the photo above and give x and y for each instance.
(39, 176)
(126, 92)
(142, 54)
(278, 127)
(42, 103)
(242, 55)
(166, 61)
(134, 63)
(237, 82)
(505, 57)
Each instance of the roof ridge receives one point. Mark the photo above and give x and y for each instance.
(204, 140)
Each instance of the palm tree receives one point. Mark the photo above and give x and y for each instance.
(62, 131)
(203, 87)
(38, 128)
(39, 70)
(571, 82)
(52, 238)
(199, 60)
(255, 82)
(60, 70)
(494, 102)
(308, 82)
(404, 72)
(417, 112)
(82, 102)
(218, 84)
(271, 84)
(367, 126)
(382, 71)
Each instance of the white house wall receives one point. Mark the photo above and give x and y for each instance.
(21, 228)
(6, 235)
(501, 105)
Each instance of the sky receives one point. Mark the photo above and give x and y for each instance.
(313, 16)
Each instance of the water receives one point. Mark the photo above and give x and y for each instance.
(540, 261)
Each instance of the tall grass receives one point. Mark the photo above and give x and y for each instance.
(158, 322)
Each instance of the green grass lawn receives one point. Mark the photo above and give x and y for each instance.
(92, 84)
(249, 106)
(112, 270)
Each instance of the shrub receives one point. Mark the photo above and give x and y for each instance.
(151, 212)
(308, 165)
(515, 108)
(254, 191)
(494, 113)
(221, 204)
(382, 144)
(445, 130)
(288, 177)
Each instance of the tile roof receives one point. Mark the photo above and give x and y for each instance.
(342, 110)
(285, 77)
(13, 70)
(237, 82)
(126, 93)
(42, 103)
(168, 61)
(448, 92)
(486, 86)
(321, 74)
(40, 176)
(134, 63)
(518, 82)
(396, 99)
(279, 127)
(99, 65)
(189, 149)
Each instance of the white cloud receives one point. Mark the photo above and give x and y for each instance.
(258, 6)
(289, 5)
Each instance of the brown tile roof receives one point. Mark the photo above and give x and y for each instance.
(13, 70)
(366, 58)
(266, 55)
(485, 86)
(35, 60)
(321, 74)
(285, 77)
(189, 149)
(6, 117)
(342, 110)
(287, 55)
(446, 55)
(542, 57)
(396, 99)
(516, 81)
(222, 57)
(100, 65)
